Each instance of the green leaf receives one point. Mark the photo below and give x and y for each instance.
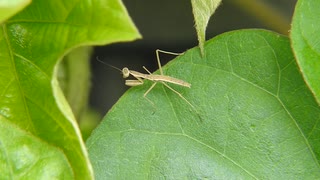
(202, 11)
(31, 101)
(305, 42)
(74, 79)
(258, 120)
(10, 7)
(24, 156)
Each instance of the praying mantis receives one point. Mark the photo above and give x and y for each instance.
(155, 78)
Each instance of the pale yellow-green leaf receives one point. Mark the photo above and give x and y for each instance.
(10, 7)
(202, 11)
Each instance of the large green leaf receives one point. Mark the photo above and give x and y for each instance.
(33, 110)
(258, 120)
(305, 42)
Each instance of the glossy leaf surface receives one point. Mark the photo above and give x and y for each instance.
(305, 40)
(42, 131)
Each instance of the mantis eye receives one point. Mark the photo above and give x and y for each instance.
(125, 72)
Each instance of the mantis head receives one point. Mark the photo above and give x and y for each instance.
(125, 72)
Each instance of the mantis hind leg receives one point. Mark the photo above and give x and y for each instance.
(164, 52)
(182, 97)
(179, 94)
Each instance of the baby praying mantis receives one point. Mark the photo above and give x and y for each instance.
(155, 78)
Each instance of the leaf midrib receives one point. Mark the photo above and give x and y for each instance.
(13, 65)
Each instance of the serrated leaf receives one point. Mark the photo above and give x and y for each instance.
(31, 101)
(258, 120)
(10, 7)
(305, 40)
(202, 11)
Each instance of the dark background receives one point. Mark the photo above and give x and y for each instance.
(169, 25)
